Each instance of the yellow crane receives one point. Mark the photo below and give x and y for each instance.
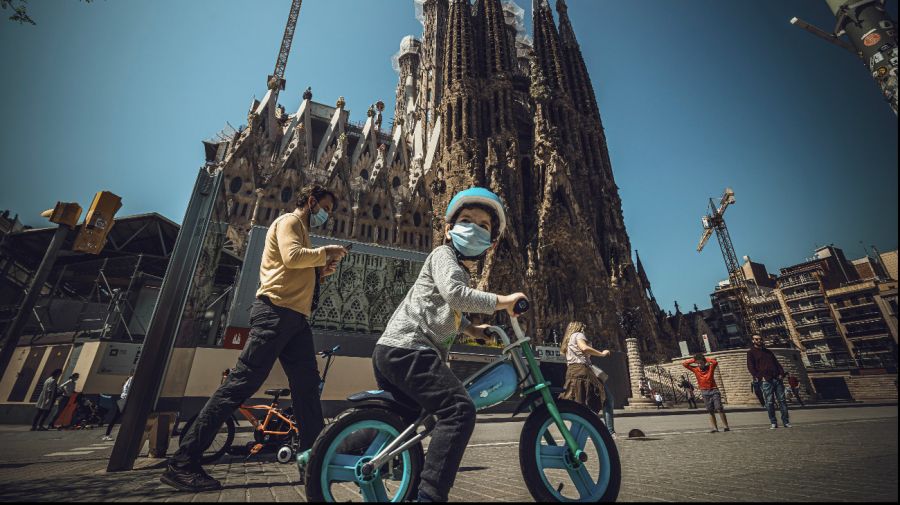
(715, 222)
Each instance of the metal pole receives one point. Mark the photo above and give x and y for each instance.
(160, 339)
(34, 290)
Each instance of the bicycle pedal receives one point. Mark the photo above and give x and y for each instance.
(256, 448)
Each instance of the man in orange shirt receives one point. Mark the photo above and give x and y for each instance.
(704, 369)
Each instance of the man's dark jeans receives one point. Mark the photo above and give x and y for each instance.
(421, 378)
(772, 389)
(275, 333)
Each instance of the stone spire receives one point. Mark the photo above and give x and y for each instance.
(580, 86)
(499, 54)
(435, 14)
(548, 49)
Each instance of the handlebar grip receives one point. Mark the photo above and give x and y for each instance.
(336, 348)
(521, 306)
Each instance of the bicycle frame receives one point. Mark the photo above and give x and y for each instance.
(531, 381)
(274, 412)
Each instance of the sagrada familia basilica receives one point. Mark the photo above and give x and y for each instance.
(478, 103)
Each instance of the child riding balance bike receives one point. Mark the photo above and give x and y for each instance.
(376, 447)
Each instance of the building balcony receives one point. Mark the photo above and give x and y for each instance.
(800, 295)
(800, 309)
(769, 326)
(798, 281)
(818, 321)
(867, 333)
(819, 335)
(860, 318)
(854, 305)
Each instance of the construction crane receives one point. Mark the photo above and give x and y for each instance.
(276, 81)
(715, 222)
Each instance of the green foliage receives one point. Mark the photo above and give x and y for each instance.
(20, 10)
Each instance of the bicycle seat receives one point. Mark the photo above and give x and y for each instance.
(278, 392)
(386, 399)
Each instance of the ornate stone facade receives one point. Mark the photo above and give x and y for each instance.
(477, 104)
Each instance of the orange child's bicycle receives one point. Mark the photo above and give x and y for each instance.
(277, 428)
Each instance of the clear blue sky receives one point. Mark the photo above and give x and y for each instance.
(695, 96)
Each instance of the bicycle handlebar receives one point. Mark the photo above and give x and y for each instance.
(328, 352)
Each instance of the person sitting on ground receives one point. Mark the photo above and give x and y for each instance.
(45, 401)
(583, 384)
(704, 369)
(769, 376)
(410, 358)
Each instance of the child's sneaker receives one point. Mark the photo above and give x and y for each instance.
(788, 425)
(773, 426)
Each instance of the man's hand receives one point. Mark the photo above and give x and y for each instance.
(604, 354)
(329, 269)
(335, 252)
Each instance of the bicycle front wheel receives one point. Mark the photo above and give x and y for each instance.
(220, 444)
(549, 471)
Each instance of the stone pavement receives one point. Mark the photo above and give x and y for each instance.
(836, 454)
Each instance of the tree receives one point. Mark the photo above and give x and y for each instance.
(20, 10)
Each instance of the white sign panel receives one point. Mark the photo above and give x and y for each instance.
(120, 359)
(549, 354)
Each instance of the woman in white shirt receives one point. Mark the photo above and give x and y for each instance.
(583, 385)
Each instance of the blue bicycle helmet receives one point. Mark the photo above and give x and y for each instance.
(481, 196)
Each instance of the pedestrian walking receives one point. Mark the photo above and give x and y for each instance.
(794, 383)
(66, 390)
(119, 407)
(289, 277)
(704, 369)
(769, 375)
(688, 391)
(585, 383)
(45, 401)
(658, 399)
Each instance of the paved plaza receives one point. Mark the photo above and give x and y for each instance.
(833, 454)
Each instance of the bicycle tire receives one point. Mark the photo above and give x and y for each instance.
(607, 486)
(211, 456)
(335, 432)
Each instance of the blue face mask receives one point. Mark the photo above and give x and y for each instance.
(470, 240)
(318, 219)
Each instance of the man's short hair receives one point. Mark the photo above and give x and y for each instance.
(699, 356)
(316, 191)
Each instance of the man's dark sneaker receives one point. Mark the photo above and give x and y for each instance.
(192, 479)
(727, 429)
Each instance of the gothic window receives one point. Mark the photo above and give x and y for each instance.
(417, 219)
(244, 210)
(268, 214)
(364, 174)
(286, 194)
(342, 225)
(235, 184)
(348, 282)
(373, 283)
(376, 211)
(395, 183)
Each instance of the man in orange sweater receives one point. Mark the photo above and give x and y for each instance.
(704, 369)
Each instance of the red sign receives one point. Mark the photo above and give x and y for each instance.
(871, 39)
(236, 338)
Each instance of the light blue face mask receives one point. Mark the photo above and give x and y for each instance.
(318, 219)
(470, 240)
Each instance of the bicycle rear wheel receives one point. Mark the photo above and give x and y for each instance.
(550, 473)
(334, 471)
(220, 444)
